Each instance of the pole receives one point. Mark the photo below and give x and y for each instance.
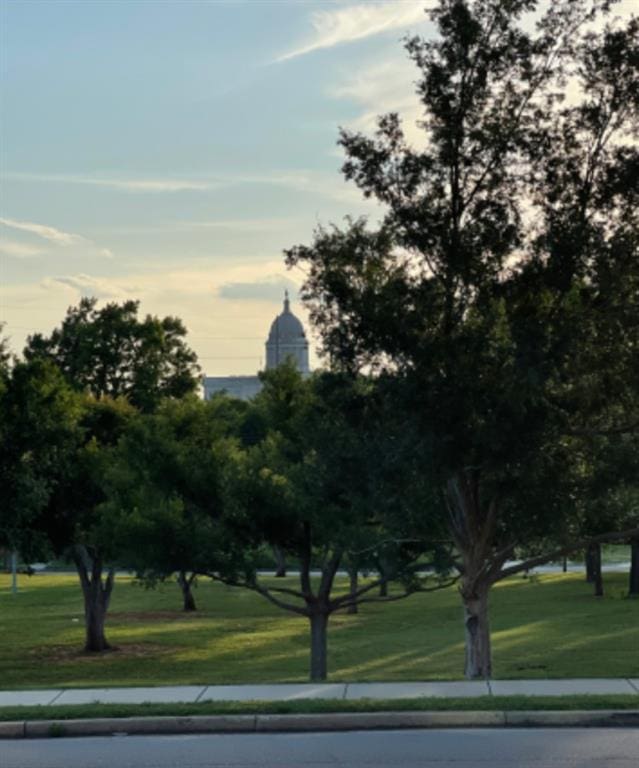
(14, 572)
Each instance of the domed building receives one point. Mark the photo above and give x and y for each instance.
(286, 340)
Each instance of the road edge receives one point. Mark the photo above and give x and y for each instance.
(339, 721)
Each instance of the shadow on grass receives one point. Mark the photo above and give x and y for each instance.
(549, 627)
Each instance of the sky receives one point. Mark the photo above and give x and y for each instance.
(168, 151)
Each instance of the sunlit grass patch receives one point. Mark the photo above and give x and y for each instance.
(544, 627)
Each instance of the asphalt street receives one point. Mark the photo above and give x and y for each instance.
(479, 748)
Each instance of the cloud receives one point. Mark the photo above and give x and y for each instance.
(329, 186)
(270, 288)
(357, 22)
(18, 250)
(52, 236)
(148, 185)
(245, 225)
(127, 185)
(87, 285)
(379, 88)
(45, 232)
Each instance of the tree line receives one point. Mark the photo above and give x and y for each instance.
(479, 412)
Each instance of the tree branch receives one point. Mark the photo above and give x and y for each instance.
(255, 587)
(391, 598)
(531, 562)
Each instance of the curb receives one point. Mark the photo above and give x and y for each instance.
(343, 721)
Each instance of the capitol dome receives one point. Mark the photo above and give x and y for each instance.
(287, 339)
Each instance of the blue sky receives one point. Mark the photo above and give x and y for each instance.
(168, 151)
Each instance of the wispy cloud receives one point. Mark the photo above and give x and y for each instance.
(149, 185)
(382, 87)
(42, 230)
(271, 288)
(54, 237)
(327, 185)
(242, 225)
(88, 285)
(331, 186)
(18, 250)
(357, 22)
(126, 185)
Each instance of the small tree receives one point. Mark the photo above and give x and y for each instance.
(306, 487)
(165, 491)
(74, 522)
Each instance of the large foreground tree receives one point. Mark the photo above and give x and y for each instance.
(500, 287)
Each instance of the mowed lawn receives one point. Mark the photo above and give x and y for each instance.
(550, 626)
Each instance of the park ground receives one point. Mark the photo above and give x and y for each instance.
(548, 626)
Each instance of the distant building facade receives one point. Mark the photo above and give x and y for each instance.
(286, 340)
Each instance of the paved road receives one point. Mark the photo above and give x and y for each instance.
(489, 748)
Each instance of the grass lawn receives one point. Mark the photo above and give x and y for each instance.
(546, 627)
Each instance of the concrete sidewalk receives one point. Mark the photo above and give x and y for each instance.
(339, 691)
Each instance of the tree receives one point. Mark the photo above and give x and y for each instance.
(122, 365)
(109, 351)
(4, 353)
(611, 496)
(165, 495)
(73, 520)
(306, 488)
(39, 426)
(499, 267)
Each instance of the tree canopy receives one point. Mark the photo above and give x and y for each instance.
(110, 351)
(39, 416)
(500, 285)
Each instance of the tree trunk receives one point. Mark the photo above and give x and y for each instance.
(473, 523)
(590, 566)
(383, 584)
(477, 630)
(319, 623)
(280, 562)
(97, 595)
(14, 572)
(185, 583)
(633, 586)
(564, 564)
(594, 557)
(353, 582)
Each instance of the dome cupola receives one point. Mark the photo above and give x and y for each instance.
(287, 339)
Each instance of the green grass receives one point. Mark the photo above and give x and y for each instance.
(546, 627)
(316, 706)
